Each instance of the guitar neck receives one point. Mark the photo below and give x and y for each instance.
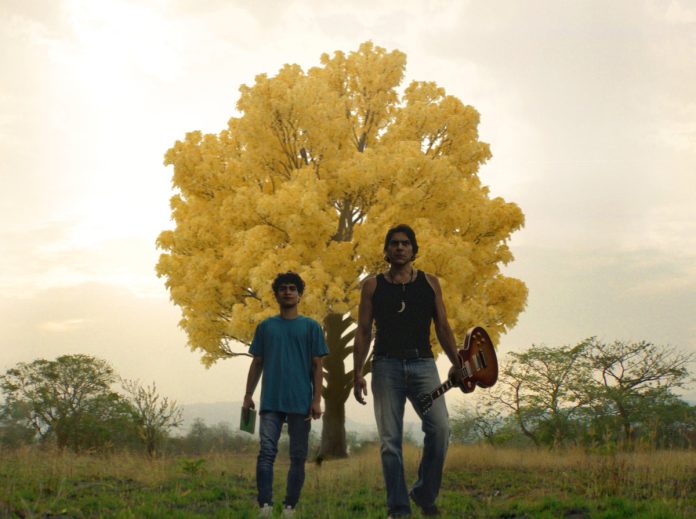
(442, 389)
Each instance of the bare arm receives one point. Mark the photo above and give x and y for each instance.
(318, 378)
(442, 328)
(253, 377)
(363, 337)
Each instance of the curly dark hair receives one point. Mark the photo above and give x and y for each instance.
(288, 277)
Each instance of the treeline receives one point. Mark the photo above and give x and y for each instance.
(202, 438)
(78, 402)
(70, 403)
(618, 394)
(593, 394)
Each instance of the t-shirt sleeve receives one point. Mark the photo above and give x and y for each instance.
(257, 344)
(319, 348)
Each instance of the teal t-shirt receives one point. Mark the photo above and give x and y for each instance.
(287, 347)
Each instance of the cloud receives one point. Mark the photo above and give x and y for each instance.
(138, 336)
(677, 13)
(67, 253)
(34, 16)
(589, 111)
(66, 325)
(642, 294)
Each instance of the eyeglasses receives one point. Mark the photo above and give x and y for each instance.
(287, 288)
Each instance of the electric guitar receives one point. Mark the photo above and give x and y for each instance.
(480, 366)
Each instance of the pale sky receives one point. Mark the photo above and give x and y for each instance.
(589, 108)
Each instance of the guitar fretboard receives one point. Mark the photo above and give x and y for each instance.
(445, 386)
(479, 368)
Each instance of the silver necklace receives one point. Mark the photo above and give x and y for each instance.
(403, 289)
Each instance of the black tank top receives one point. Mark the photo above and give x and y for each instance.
(403, 313)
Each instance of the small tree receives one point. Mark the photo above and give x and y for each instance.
(152, 415)
(483, 423)
(60, 394)
(665, 420)
(631, 377)
(105, 425)
(14, 428)
(542, 388)
(198, 438)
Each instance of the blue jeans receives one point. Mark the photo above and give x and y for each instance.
(394, 381)
(269, 433)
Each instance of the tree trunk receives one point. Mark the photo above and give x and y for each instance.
(520, 420)
(337, 386)
(625, 422)
(529, 434)
(333, 433)
(150, 444)
(62, 438)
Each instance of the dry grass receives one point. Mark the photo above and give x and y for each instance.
(31, 464)
(479, 480)
(636, 475)
(654, 462)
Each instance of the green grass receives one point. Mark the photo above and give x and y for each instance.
(478, 482)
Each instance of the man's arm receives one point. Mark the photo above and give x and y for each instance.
(363, 336)
(443, 331)
(318, 378)
(253, 377)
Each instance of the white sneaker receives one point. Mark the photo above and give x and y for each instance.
(266, 510)
(288, 511)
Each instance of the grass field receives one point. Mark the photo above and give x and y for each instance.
(479, 482)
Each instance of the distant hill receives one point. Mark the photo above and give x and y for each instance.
(213, 413)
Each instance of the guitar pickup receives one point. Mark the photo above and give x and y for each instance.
(467, 368)
(480, 361)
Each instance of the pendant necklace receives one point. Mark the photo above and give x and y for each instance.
(403, 291)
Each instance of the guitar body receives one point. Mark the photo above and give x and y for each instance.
(479, 360)
(480, 365)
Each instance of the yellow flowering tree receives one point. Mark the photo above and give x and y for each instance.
(309, 178)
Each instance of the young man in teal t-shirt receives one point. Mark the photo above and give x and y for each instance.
(288, 350)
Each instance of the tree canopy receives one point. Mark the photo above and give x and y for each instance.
(70, 400)
(61, 395)
(308, 178)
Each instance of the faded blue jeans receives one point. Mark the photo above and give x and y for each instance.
(269, 433)
(394, 381)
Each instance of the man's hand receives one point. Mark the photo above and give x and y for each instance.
(246, 405)
(315, 410)
(458, 376)
(360, 389)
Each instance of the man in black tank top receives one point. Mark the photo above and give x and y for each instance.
(402, 303)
